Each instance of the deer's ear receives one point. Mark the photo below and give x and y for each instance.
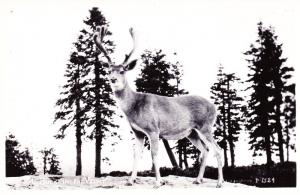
(130, 65)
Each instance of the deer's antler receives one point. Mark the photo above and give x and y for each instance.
(98, 38)
(127, 56)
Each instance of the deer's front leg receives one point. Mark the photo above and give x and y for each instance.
(154, 142)
(138, 148)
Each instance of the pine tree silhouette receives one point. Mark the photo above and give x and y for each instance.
(73, 100)
(100, 100)
(230, 107)
(290, 123)
(218, 96)
(183, 147)
(268, 78)
(51, 164)
(18, 162)
(86, 101)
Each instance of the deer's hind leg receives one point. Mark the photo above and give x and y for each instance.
(199, 144)
(206, 136)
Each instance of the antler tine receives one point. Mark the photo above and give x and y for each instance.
(98, 39)
(127, 57)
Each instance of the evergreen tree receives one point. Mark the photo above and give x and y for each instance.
(184, 147)
(234, 112)
(18, 162)
(72, 104)
(50, 163)
(155, 75)
(54, 165)
(155, 78)
(45, 153)
(229, 105)
(100, 100)
(87, 101)
(281, 75)
(218, 96)
(290, 122)
(268, 78)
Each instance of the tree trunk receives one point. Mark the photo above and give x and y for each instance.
(98, 120)
(78, 139)
(45, 164)
(170, 153)
(185, 158)
(180, 153)
(267, 133)
(225, 157)
(78, 152)
(229, 127)
(231, 149)
(268, 150)
(278, 128)
(98, 143)
(224, 131)
(98, 154)
(268, 145)
(287, 145)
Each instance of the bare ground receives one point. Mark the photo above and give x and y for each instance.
(82, 182)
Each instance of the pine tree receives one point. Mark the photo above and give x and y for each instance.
(290, 122)
(87, 101)
(45, 153)
(281, 75)
(100, 100)
(269, 77)
(218, 96)
(50, 163)
(234, 112)
(260, 108)
(155, 78)
(18, 162)
(155, 75)
(229, 105)
(54, 165)
(71, 104)
(184, 147)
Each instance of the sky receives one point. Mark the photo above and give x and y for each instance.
(37, 36)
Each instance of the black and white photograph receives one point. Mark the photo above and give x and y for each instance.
(148, 94)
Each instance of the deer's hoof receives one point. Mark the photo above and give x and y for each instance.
(159, 184)
(219, 185)
(156, 186)
(130, 183)
(198, 181)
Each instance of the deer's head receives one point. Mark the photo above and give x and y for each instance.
(117, 72)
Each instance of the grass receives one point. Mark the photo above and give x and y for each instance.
(277, 175)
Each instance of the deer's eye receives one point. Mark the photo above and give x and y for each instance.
(122, 72)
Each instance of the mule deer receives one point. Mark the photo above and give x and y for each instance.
(156, 117)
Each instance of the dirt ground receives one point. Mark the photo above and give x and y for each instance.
(82, 182)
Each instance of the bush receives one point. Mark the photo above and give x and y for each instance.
(118, 174)
(276, 175)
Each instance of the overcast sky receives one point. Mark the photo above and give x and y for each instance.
(37, 36)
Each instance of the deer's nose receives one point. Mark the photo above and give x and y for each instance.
(113, 80)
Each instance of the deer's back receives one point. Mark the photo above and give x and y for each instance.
(172, 116)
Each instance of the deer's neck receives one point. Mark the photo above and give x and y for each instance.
(126, 98)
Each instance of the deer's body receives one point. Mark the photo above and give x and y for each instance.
(162, 117)
(172, 118)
